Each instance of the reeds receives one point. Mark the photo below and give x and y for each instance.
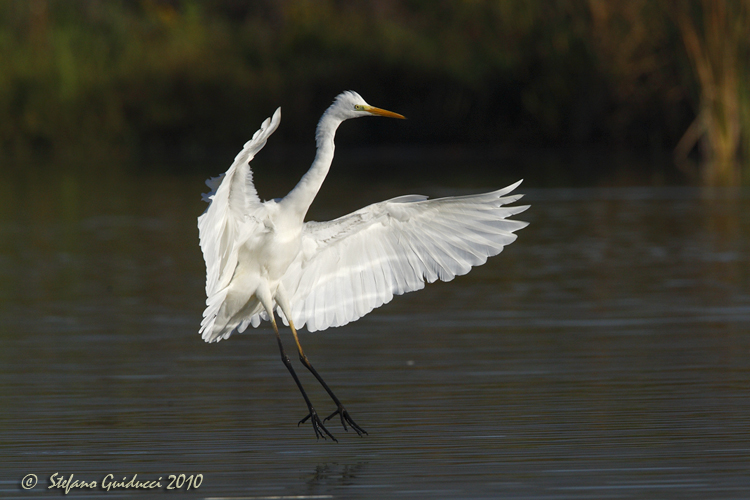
(180, 79)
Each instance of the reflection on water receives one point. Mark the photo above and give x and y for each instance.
(603, 355)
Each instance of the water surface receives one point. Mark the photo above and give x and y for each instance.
(603, 355)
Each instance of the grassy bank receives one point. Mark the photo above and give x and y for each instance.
(180, 80)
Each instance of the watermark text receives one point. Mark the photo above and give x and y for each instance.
(116, 482)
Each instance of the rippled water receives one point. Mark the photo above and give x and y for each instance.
(605, 354)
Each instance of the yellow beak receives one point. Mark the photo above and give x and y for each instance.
(383, 112)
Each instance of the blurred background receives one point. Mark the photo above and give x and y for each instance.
(571, 91)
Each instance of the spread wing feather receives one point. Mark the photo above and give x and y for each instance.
(232, 202)
(349, 266)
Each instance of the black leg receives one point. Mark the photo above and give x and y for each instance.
(318, 427)
(340, 410)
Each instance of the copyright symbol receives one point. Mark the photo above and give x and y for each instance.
(28, 481)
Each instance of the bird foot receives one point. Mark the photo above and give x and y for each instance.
(318, 427)
(346, 418)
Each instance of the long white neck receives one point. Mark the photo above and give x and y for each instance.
(301, 197)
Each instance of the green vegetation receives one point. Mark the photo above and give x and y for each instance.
(126, 81)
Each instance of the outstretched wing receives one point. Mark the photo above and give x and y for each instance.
(350, 266)
(232, 201)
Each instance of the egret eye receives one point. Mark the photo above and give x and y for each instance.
(359, 107)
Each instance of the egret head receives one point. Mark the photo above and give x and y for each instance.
(351, 105)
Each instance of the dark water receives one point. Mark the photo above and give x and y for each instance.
(605, 354)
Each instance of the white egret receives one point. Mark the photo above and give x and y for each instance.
(261, 256)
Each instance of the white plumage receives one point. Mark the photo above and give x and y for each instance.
(354, 264)
(233, 215)
(262, 256)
